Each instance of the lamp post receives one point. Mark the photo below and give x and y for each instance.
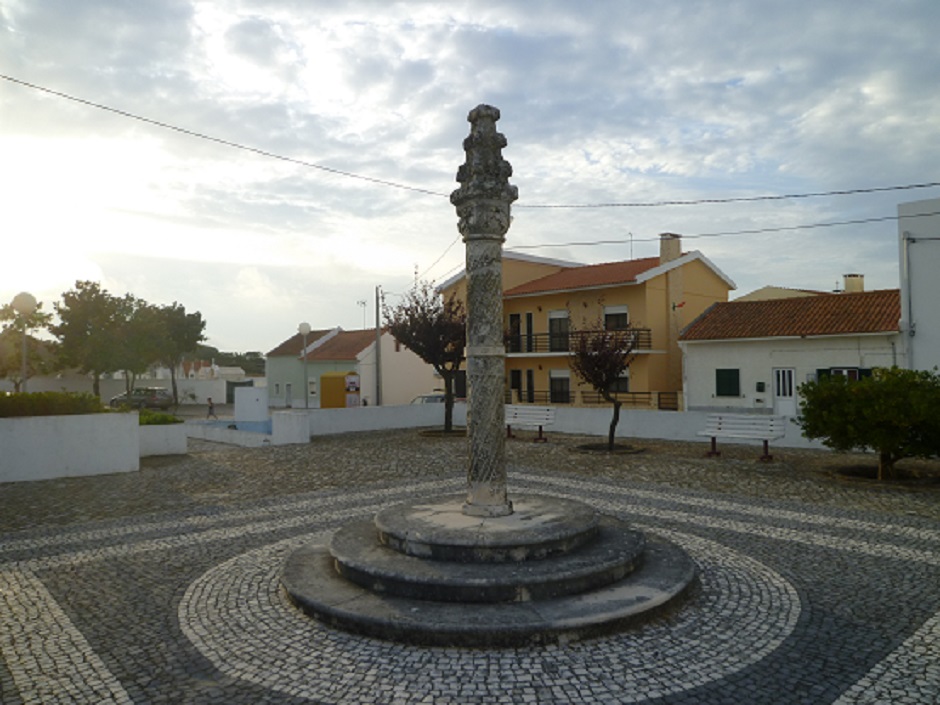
(24, 304)
(304, 330)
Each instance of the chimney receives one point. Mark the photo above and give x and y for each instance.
(670, 247)
(853, 283)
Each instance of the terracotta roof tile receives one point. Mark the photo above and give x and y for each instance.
(345, 345)
(590, 275)
(826, 314)
(293, 345)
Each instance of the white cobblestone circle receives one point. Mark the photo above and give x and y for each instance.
(237, 617)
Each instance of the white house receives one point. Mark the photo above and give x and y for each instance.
(403, 374)
(919, 241)
(753, 355)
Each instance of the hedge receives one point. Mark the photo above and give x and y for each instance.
(49, 404)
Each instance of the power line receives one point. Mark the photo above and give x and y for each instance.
(757, 231)
(219, 140)
(731, 199)
(416, 189)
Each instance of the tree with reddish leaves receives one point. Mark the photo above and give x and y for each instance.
(434, 329)
(600, 357)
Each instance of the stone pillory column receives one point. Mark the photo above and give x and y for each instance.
(482, 203)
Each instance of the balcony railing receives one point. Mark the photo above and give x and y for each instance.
(565, 342)
(665, 401)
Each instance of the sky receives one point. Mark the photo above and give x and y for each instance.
(366, 103)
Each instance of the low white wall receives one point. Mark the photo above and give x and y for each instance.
(46, 447)
(169, 439)
(664, 425)
(324, 422)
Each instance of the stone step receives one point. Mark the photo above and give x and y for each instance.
(438, 529)
(660, 582)
(613, 553)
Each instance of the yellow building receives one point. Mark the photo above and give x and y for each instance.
(546, 302)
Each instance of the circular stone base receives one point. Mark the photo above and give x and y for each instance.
(313, 585)
(439, 529)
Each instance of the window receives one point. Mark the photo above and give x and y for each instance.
(727, 383)
(515, 333)
(559, 387)
(515, 385)
(558, 331)
(528, 333)
(851, 373)
(616, 318)
(622, 384)
(530, 386)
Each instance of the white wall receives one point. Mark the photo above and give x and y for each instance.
(757, 359)
(919, 242)
(404, 374)
(44, 447)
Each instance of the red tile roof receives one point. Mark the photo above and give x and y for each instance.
(826, 314)
(293, 345)
(588, 276)
(345, 345)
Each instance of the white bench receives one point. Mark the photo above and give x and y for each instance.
(759, 427)
(529, 416)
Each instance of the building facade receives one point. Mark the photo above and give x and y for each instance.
(546, 303)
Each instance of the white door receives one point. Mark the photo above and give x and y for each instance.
(784, 392)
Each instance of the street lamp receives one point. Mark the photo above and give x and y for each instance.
(304, 330)
(24, 304)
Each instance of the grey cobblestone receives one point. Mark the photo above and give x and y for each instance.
(161, 586)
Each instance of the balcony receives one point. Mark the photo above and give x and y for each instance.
(538, 343)
(664, 401)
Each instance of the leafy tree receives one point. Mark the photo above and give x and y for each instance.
(142, 337)
(894, 412)
(90, 330)
(600, 357)
(435, 330)
(38, 357)
(182, 333)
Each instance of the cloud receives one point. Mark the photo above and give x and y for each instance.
(601, 103)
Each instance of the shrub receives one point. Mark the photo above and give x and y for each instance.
(895, 413)
(49, 404)
(157, 418)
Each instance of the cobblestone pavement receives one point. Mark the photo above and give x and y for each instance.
(161, 586)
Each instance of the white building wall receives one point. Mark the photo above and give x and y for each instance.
(404, 374)
(919, 242)
(757, 359)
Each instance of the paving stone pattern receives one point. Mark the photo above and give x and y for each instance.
(162, 586)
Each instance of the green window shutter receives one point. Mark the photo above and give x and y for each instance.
(727, 383)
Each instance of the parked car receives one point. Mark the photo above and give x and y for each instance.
(144, 397)
(428, 399)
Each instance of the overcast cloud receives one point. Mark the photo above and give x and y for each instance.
(601, 102)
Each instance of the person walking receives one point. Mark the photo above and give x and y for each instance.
(211, 412)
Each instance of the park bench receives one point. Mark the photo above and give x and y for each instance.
(759, 427)
(529, 416)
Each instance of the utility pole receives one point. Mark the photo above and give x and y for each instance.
(378, 346)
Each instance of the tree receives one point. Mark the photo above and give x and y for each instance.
(142, 337)
(15, 326)
(435, 330)
(600, 357)
(182, 333)
(894, 412)
(90, 330)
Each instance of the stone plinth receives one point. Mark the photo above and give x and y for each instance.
(428, 573)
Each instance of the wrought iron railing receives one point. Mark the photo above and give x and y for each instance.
(642, 339)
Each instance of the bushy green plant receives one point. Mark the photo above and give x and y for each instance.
(49, 404)
(894, 412)
(157, 418)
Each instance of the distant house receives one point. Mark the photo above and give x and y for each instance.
(753, 354)
(546, 302)
(403, 374)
